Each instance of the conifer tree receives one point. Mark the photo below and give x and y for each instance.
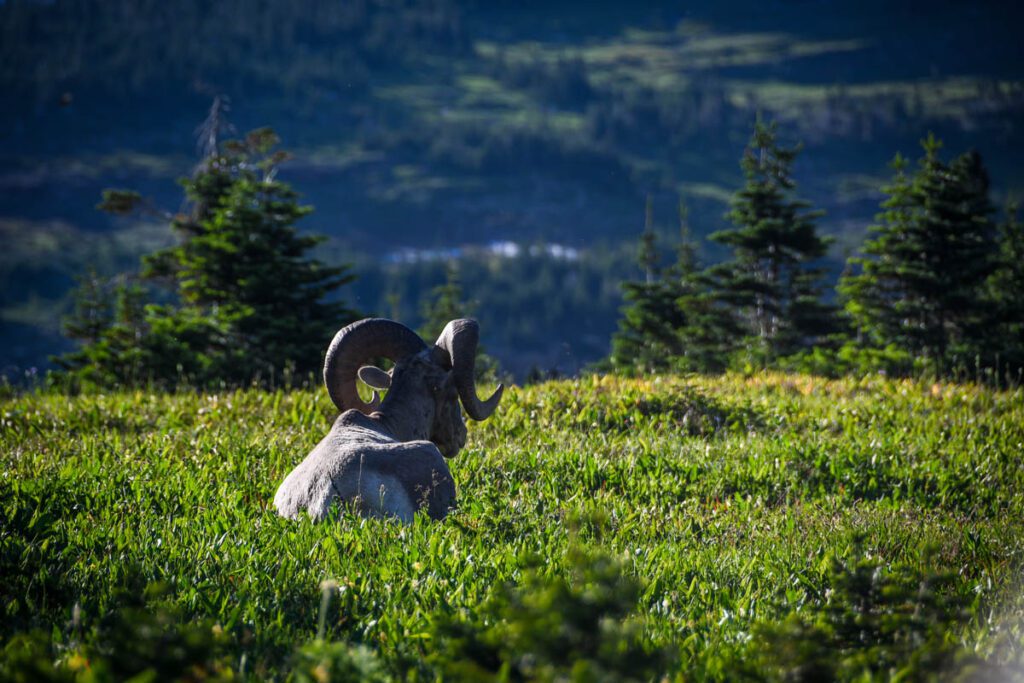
(921, 284)
(672, 320)
(649, 256)
(769, 281)
(647, 339)
(965, 253)
(443, 303)
(91, 313)
(242, 270)
(111, 335)
(90, 319)
(125, 337)
(1006, 286)
(708, 335)
(877, 298)
(250, 304)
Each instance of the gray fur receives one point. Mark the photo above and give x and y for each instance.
(359, 462)
(391, 462)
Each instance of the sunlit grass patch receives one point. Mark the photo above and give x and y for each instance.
(716, 193)
(943, 98)
(483, 92)
(738, 508)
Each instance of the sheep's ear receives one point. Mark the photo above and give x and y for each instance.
(375, 377)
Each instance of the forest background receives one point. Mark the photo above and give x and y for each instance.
(530, 146)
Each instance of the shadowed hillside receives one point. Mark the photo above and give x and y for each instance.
(437, 126)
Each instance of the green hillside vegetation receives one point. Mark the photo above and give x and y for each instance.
(933, 294)
(481, 127)
(239, 280)
(786, 527)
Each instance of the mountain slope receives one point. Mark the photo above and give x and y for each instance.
(436, 125)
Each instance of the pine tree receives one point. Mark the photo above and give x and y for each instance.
(91, 313)
(921, 282)
(686, 250)
(90, 319)
(125, 337)
(877, 298)
(111, 335)
(706, 339)
(672, 319)
(965, 251)
(648, 255)
(1005, 287)
(443, 303)
(647, 338)
(242, 266)
(769, 280)
(250, 305)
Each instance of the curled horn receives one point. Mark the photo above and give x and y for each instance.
(357, 344)
(458, 341)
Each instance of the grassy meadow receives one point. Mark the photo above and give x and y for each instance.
(765, 527)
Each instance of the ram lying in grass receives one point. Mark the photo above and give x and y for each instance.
(387, 458)
(770, 525)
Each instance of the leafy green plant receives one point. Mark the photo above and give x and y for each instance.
(146, 638)
(336, 661)
(671, 524)
(581, 627)
(875, 623)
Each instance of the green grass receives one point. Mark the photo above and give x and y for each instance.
(741, 510)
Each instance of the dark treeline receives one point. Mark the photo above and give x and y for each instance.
(239, 298)
(128, 47)
(543, 311)
(936, 291)
(443, 124)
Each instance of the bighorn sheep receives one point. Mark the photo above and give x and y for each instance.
(386, 457)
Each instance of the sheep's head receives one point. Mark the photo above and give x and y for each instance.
(425, 386)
